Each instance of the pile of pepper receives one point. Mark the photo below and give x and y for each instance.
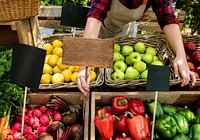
(131, 119)
(173, 124)
(126, 120)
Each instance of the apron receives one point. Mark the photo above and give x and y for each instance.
(119, 21)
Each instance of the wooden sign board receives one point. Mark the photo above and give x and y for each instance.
(78, 51)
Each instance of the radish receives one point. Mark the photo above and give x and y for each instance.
(36, 123)
(43, 109)
(18, 126)
(36, 112)
(44, 120)
(41, 129)
(12, 131)
(29, 112)
(27, 129)
(17, 136)
(57, 116)
(20, 118)
(49, 113)
(31, 121)
(30, 136)
(56, 108)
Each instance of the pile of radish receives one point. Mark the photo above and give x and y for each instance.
(53, 121)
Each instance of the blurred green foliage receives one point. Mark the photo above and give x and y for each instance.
(192, 9)
(59, 2)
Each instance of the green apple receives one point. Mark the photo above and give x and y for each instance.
(158, 63)
(126, 50)
(147, 58)
(118, 57)
(117, 47)
(140, 47)
(155, 58)
(117, 75)
(151, 50)
(144, 74)
(119, 66)
(134, 56)
(140, 66)
(127, 61)
(131, 73)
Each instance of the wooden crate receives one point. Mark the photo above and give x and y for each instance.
(190, 99)
(72, 98)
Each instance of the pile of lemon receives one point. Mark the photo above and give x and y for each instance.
(56, 72)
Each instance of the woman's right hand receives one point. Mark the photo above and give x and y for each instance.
(82, 81)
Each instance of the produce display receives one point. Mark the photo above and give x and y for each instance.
(54, 71)
(131, 119)
(54, 121)
(193, 58)
(131, 62)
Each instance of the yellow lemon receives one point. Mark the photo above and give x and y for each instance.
(73, 77)
(57, 43)
(57, 78)
(60, 65)
(92, 68)
(52, 61)
(48, 47)
(57, 51)
(47, 69)
(45, 79)
(93, 75)
(67, 73)
(56, 69)
(46, 58)
(74, 68)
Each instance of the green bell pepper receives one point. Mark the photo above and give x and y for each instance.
(197, 119)
(166, 126)
(168, 109)
(150, 107)
(194, 133)
(181, 123)
(190, 116)
(181, 137)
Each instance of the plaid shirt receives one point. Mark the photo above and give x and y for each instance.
(162, 9)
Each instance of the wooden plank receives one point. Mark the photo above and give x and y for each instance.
(72, 98)
(54, 24)
(34, 29)
(24, 32)
(177, 98)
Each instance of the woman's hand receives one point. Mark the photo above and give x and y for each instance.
(82, 81)
(181, 69)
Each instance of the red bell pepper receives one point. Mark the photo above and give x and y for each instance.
(136, 107)
(104, 110)
(119, 105)
(136, 125)
(104, 124)
(123, 137)
(120, 124)
(147, 124)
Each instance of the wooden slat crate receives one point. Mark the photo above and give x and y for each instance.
(72, 98)
(177, 98)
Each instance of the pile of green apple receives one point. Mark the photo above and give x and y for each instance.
(131, 62)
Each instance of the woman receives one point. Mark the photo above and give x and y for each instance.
(114, 18)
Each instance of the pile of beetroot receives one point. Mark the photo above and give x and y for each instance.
(53, 121)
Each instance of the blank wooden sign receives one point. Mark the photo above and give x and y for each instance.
(78, 51)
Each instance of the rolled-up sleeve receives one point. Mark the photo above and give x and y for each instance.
(99, 9)
(164, 12)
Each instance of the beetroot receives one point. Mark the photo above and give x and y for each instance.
(18, 126)
(56, 108)
(29, 112)
(57, 116)
(189, 48)
(195, 58)
(30, 136)
(43, 109)
(36, 112)
(17, 136)
(49, 113)
(31, 121)
(12, 131)
(19, 118)
(45, 136)
(41, 129)
(44, 120)
(36, 123)
(27, 129)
